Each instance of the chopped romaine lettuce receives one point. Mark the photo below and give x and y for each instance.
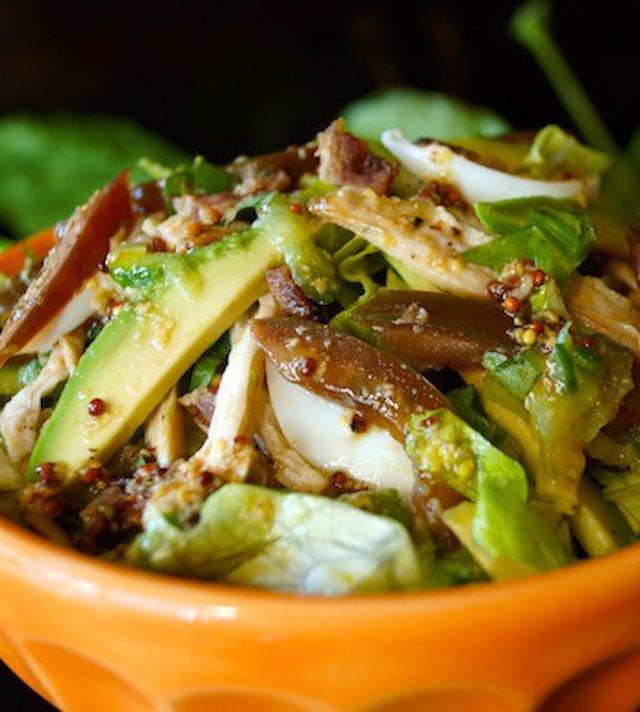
(555, 234)
(616, 467)
(283, 541)
(466, 403)
(511, 537)
(198, 177)
(579, 393)
(206, 366)
(555, 153)
(566, 396)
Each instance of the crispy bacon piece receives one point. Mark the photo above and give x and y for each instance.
(347, 160)
(273, 171)
(288, 295)
(346, 369)
(83, 243)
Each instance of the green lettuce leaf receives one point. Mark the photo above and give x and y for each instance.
(420, 114)
(467, 405)
(51, 164)
(555, 153)
(511, 537)
(623, 490)
(288, 541)
(616, 468)
(198, 177)
(18, 373)
(207, 365)
(579, 393)
(556, 234)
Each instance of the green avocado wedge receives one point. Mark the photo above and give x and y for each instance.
(186, 305)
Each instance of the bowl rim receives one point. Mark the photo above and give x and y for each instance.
(30, 552)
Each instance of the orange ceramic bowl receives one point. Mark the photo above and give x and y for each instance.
(91, 636)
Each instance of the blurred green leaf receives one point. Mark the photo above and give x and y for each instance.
(420, 114)
(51, 164)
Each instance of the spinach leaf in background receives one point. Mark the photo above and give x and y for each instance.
(51, 164)
(420, 114)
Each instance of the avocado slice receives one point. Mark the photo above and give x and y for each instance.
(187, 303)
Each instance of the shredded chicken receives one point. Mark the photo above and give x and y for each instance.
(9, 477)
(602, 309)
(200, 404)
(228, 450)
(20, 417)
(205, 209)
(424, 237)
(180, 233)
(164, 434)
(291, 469)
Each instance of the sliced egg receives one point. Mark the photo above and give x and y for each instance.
(77, 310)
(319, 429)
(476, 182)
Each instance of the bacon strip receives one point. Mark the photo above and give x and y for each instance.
(288, 295)
(347, 160)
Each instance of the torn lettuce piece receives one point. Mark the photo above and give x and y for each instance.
(623, 490)
(207, 365)
(508, 535)
(293, 235)
(294, 542)
(442, 444)
(579, 392)
(556, 234)
(518, 373)
(386, 502)
(563, 399)
(615, 466)
(198, 177)
(18, 373)
(443, 569)
(556, 153)
(467, 404)
(357, 264)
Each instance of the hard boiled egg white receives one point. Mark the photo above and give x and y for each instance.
(319, 429)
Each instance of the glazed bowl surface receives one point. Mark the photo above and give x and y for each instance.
(90, 635)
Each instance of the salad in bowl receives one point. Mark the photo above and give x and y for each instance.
(353, 365)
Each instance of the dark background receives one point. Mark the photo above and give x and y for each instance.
(248, 77)
(245, 77)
